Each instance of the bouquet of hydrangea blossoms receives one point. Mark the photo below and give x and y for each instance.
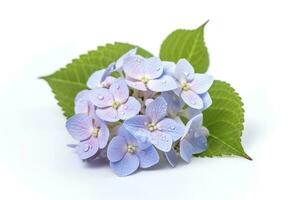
(138, 107)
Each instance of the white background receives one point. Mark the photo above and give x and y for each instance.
(254, 45)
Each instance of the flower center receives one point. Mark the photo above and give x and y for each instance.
(144, 80)
(185, 86)
(152, 127)
(130, 148)
(115, 105)
(95, 132)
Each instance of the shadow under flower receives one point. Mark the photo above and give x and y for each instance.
(96, 163)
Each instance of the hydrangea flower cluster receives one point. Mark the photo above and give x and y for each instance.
(130, 117)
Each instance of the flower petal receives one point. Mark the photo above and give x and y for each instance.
(162, 141)
(174, 103)
(192, 112)
(101, 97)
(137, 126)
(133, 67)
(199, 143)
(192, 99)
(186, 150)
(162, 84)
(116, 149)
(201, 83)
(171, 157)
(196, 134)
(120, 62)
(184, 71)
(87, 149)
(153, 67)
(83, 106)
(84, 94)
(119, 90)
(80, 126)
(203, 131)
(108, 114)
(96, 79)
(157, 109)
(110, 68)
(136, 85)
(131, 139)
(129, 109)
(148, 157)
(126, 166)
(177, 91)
(169, 68)
(108, 81)
(82, 103)
(207, 101)
(103, 135)
(137, 122)
(171, 127)
(193, 125)
(148, 101)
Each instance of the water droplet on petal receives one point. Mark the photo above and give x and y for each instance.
(101, 97)
(173, 127)
(158, 68)
(193, 102)
(186, 73)
(118, 87)
(122, 113)
(164, 81)
(87, 148)
(125, 107)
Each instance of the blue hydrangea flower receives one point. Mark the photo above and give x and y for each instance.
(193, 86)
(176, 105)
(193, 141)
(126, 154)
(148, 73)
(114, 103)
(92, 134)
(114, 66)
(154, 127)
(101, 78)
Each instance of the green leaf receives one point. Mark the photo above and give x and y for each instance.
(188, 44)
(67, 82)
(224, 120)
